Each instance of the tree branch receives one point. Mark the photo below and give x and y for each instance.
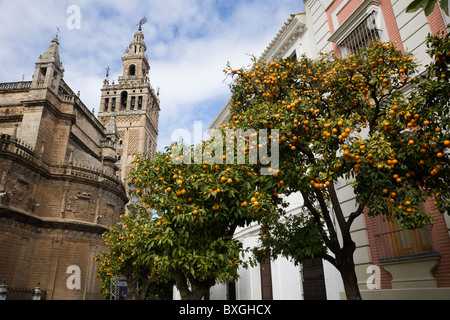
(354, 215)
(330, 259)
(337, 208)
(330, 227)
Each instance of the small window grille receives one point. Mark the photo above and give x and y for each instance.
(365, 33)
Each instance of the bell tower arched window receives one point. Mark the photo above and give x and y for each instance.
(123, 100)
(132, 70)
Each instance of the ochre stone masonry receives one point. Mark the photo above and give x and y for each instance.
(63, 171)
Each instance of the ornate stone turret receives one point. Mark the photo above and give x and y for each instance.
(49, 70)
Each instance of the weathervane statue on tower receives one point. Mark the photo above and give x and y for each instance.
(143, 21)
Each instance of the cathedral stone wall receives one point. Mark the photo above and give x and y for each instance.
(59, 186)
(63, 172)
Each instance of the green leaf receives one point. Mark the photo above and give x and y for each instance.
(444, 6)
(416, 5)
(430, 7)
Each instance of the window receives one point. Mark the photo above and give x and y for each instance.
(106, 104)
(41, 76)
(123, 100)
(132, 70)
(396, 243)
(364, 25)
(365, 33)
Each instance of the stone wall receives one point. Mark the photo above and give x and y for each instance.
(56, 196)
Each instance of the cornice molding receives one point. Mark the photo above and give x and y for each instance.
(289, 33)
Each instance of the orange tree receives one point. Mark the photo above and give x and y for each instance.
(365, 119)
(124, 258)
(185, 216)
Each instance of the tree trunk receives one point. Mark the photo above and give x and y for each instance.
(346, 267)
(196, 293)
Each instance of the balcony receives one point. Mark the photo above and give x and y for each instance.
(409, 256)
(404, 244)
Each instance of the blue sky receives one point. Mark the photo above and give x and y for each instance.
(188, 43)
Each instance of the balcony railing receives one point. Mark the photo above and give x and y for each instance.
(405, 244)
(15, 85)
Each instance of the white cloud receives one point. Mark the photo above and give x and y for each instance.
(189, 42)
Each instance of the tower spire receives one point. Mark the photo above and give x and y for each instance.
(135, 61)
(49, 69)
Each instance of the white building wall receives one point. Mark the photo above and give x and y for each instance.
(317, 25)
(413, 29)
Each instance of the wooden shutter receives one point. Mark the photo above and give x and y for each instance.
(266, 280)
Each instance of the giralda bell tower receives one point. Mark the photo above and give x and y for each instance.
(133, 105)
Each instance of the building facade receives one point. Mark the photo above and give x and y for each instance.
(407, 264)
(390, 263)
(63, 172)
